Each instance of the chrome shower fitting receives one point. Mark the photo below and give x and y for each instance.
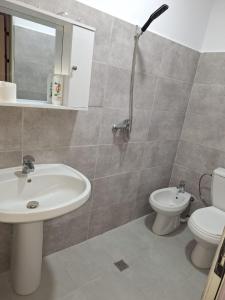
(126, 125)
(123, 126)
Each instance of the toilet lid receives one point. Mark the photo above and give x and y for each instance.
(209, 220)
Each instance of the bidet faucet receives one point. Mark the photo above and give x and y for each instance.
(181, 187)
(28, 164)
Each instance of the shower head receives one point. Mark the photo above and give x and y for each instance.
(154, 16)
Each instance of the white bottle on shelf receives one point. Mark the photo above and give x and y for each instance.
(57, 89)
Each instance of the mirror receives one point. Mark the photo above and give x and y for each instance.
(33, 51)
(30, 54)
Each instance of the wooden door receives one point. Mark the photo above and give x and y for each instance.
(2, 48)
(5, 47)
(215, 288)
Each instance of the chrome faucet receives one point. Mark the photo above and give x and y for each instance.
(28, 164)
(181, 187)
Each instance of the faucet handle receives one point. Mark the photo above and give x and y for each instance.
(182, 183)
(28, 159)
(181, 187)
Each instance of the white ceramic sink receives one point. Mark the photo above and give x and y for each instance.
(57, 189)
(54, 190)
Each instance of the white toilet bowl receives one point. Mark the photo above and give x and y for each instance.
(169, 205)
(207, 225)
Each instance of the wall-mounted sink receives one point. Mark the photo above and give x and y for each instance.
(28, 200)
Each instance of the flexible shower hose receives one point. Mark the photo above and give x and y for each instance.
(131, 103)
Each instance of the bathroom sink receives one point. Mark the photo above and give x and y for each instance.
(49, 192)
(27, 200)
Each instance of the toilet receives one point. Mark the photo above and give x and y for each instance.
(169, 204)
(207, 224)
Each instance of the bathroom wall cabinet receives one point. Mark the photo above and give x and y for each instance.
(77, 83)
(74, 53)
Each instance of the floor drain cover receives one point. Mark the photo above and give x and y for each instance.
(32, 204)
(121, 265)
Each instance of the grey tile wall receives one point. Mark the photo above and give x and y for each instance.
(211, 69)
(179, 62)
(10, 129)
(123, 172)
(202, 145)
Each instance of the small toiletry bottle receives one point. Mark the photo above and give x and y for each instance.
(57, 90)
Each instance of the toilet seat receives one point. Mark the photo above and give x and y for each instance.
(208, 224)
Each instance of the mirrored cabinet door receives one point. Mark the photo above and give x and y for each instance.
(34, 58)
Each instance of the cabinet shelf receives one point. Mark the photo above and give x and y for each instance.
(39, 104)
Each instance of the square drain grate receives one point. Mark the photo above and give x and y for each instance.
(121, 265)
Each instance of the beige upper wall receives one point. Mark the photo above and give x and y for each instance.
(214, 40)
(185, 22)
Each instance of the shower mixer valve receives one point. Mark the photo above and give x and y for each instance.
(123, 126)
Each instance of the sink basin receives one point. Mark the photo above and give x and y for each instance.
(27, 201)
(56, 189)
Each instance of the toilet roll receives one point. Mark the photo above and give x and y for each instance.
(7, 91)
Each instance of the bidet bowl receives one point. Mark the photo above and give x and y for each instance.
(169, 205)
(169, 202)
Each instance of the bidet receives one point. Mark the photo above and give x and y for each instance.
(169, 204)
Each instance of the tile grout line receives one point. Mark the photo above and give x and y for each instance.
(132, 172)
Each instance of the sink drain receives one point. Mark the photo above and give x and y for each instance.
(32, 204)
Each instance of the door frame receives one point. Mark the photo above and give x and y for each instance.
(216, 278)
